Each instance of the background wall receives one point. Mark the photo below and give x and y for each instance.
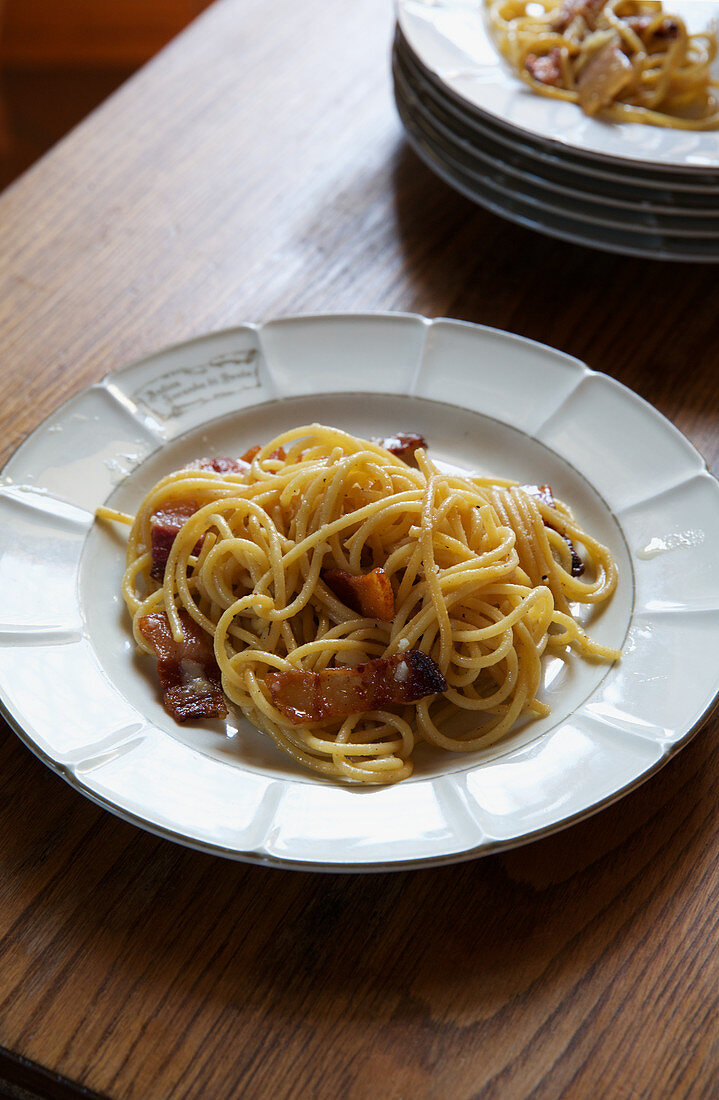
(90, 32)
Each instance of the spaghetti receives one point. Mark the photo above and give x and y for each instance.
(625, 60)
(357, 604)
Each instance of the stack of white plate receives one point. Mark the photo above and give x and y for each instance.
(629, 188)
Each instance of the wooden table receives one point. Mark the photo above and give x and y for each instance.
(257, 168)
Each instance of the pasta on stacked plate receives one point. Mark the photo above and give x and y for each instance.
(351, 598)
(625, 60)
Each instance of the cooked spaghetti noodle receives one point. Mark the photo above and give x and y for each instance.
(624, 60)
(481, 580)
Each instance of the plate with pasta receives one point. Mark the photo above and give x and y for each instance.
(632, 82)
(357, 592)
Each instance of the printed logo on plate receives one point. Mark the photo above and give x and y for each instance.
(171, 394)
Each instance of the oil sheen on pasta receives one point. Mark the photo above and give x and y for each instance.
(623, 60)
(481, 571)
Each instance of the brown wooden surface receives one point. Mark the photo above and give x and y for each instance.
(124, 32)
(39, 106)
(257, 168)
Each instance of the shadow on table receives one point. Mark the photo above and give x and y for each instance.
(465, 262)
(119, 914)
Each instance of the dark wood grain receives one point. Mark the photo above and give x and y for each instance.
(257, 168)
(21, 1079)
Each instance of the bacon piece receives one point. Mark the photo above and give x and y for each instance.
(577, 567)
(188, 671)
(221, 465)
(403, 445)
(371, 594)
(545, 68)
(254, 451)
(338, 692)
(665, 31)
(165, 525)
(545, 494)
(540, 492)
(570, 9)
(604, 77)
(166, 522)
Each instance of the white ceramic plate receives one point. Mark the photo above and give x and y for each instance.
(76, 694)
(450, 38)
(529, 207)
(615, 178)
(640, 194)
(554, 198)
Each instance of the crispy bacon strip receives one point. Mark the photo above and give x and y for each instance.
(188, 671)
(166, 522)
(165, 525)
(403, 445)
(546, 68)
(545, 494)
(370, 595)
(338, 692)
